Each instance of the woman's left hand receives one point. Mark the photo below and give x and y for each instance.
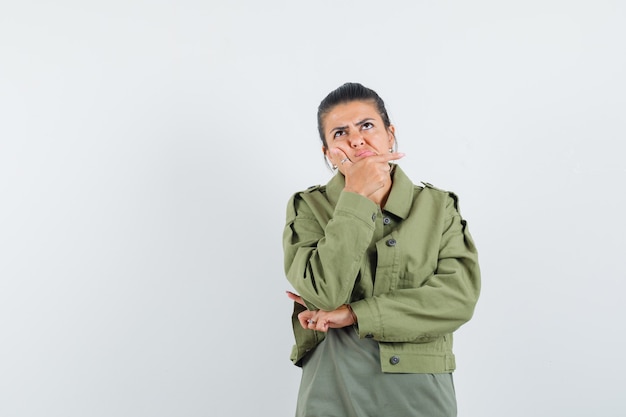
(321, 320)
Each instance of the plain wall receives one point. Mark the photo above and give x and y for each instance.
(148, 149)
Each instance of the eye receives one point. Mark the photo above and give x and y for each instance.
(338, 133)
(367, 125)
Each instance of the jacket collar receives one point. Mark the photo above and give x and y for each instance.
(400, 196)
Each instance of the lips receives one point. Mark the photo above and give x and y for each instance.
(364, 154)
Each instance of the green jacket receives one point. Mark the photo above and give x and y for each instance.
(410, 272)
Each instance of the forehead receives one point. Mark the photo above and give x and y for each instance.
(350, 112)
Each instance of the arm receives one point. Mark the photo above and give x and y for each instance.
(437, 306)
(323, 320)
(324, 247)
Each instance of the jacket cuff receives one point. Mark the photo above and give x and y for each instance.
(356, 205)
(370, 325)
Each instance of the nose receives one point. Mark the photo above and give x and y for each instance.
(356, 139)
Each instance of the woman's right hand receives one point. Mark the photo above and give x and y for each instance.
(368, 176)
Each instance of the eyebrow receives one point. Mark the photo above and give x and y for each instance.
(359, 123)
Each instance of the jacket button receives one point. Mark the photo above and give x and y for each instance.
(374, 217)
(394, 360)
(386, 220)
(391, 242)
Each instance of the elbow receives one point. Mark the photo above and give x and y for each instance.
(331, 304)
(466, 297)
(317, 293)
(327, 299)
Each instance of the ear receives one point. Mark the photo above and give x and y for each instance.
(325, 151)
(392, 135)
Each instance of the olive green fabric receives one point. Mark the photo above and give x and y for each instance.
(410, 271)
(342, 377)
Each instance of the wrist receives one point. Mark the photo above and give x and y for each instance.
(354, 318)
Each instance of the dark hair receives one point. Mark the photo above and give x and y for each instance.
(345, 94)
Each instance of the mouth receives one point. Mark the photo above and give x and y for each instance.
(364, 154)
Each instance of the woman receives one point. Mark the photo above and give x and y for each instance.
(385, 271)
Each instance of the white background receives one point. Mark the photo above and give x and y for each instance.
(148, 149)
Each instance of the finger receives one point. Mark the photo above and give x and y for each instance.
(378, 158)
(304, 319)
(394, 156)
(322, 325)
(296, 298)
(340, 157)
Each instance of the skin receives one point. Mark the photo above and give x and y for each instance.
(359, 145)
(321, 320)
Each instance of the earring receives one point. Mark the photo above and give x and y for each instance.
(390, 150)
(334, 166)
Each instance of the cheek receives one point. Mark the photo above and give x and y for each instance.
(341, 145)
(345, 149)
(330, 148)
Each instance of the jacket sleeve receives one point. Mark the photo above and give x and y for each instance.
(323, 253)
(441, 304)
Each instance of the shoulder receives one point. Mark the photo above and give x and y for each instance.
(446, 196)
(309, 192)
(300, 202)
(431, 187)
(432, 190)
(315, 189)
